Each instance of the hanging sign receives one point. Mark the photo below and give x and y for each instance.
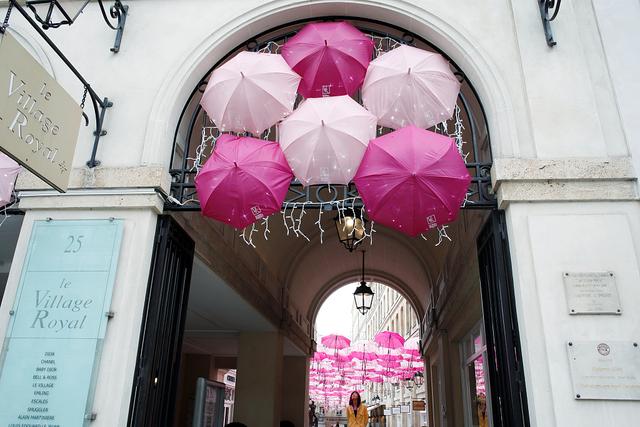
(419, 405)
(39, 120)
(58, 323)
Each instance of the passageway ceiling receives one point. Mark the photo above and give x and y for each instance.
(253, 288)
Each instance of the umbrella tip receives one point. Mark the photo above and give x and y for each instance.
(409, 72)
(235, 164)
(325, 43)
(322, 121)
(242, 74)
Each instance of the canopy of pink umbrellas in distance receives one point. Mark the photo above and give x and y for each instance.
(340, 366)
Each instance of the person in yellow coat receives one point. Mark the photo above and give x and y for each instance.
(357, 414)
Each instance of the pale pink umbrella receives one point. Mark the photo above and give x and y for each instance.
(410, 86)
(325, 138)
(331, 57)
(412, 346)
(250, 93)
(244, 180)
(364, 350)
(9, 170)
(412, 180)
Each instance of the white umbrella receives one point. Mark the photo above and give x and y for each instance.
(325, 138)
(410, 86)
(9, 170)
(250, 93)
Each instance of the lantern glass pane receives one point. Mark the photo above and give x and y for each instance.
(73, 7)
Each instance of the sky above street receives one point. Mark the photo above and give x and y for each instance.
(334, 316)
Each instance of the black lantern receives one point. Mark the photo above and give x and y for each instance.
(350, 231)
(418, 379)
(55, 13)
(408, 383)
(363, 294)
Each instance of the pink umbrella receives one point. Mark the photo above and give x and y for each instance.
(325, 138)
(412, 180)
(245, 180)
(388, 339)
(9, 170)
(250, 93)
(331, 57)
(410, 86)
(412, 346)
(335, 341)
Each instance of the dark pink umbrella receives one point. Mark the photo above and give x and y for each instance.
(412, 180)
(245, 180)
(390, 340)
(331, 57)
(335, 341)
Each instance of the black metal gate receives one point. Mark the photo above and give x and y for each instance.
(508, 394)
(156, 377)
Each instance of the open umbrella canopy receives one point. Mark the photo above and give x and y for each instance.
(335, 341)
(250, 93)
(412, 180)
(410, 86)
(245, 180)
(325, 138)
(388, 339)
(331, 57)
(9, 170)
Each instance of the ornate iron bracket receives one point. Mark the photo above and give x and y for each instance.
(545, 7)
(100, 104)
(118, 11)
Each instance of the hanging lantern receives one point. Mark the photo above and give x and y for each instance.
(363, 294)
(54, 13)
(418, 379)
(350, 231)
(408, 383)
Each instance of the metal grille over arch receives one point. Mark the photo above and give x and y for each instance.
(195, 132)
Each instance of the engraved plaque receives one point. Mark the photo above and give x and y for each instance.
(592, 293)
(605, 370)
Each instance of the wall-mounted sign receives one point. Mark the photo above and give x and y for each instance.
(387, 412)
(39, 120)
(591, 293)
(405, 409)
(395, 410)
(419, 405)
(605, 370)
(58, 323)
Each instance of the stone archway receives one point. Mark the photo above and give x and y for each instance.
(179, 84)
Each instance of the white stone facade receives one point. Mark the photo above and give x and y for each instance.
(565, 138)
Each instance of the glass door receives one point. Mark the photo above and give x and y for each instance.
(475, 380)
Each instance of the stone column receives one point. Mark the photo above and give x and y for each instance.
(295, 390)
(116, 364)
(259, 386)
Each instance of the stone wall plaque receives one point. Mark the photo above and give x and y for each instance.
(605, 370)
(591, 293)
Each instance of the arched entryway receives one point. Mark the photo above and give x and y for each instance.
(283, 280)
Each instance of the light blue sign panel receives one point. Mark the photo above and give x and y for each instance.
(58, 323)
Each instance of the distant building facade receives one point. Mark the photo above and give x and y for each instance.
(390, 311)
